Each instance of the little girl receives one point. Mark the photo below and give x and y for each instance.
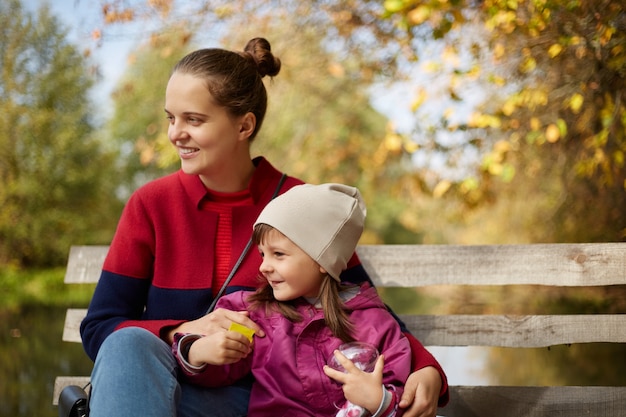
(306, 237)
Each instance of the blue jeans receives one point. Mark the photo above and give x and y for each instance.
(135, 374)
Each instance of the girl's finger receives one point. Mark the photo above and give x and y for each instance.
(334, 374)
(344, 361)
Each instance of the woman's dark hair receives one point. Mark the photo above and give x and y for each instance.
(234, 79)
(335, 312)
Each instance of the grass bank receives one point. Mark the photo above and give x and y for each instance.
(42, 287)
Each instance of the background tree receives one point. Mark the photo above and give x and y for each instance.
(556, 126)
(55, 190)
(550, 75)
(138, 127)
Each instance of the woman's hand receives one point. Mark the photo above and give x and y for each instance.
(421, 393)
(216, 321)
(362, 388)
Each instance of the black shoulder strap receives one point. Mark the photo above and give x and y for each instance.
(243, 254)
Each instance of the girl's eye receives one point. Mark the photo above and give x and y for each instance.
(170, 118)
(278, 254)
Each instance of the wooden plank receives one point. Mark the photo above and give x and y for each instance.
(497, 401)
(84, 264)
(71, 329)
(480, 330)
(516, 331)
(585, 264)
(61, 382)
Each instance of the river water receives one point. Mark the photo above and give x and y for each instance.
(31, 356)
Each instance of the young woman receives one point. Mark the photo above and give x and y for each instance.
(306, 237)
(178, 240)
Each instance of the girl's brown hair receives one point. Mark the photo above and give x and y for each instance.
(335, 311)
(234, 79)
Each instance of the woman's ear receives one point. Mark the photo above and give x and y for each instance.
(323, 271)
(248, 124)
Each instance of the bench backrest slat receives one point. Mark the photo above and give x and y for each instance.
(516, 331)
(585, 264)
(84, 264)
(479, 330)
(588, 264)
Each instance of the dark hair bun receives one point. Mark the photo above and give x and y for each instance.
(261, 51)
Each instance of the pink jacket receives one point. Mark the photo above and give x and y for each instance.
(287, 363)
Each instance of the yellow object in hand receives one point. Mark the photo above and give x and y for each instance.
(239, 328)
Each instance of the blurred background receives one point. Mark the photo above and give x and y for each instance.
(461, 121)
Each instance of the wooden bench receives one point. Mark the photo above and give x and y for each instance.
(563, 265)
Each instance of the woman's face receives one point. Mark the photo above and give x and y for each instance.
(209, 141)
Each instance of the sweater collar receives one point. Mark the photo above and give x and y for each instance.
(261, 186)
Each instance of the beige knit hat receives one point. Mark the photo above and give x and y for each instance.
(325, 221)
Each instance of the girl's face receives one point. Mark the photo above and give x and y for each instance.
(210, 142)
(288, 269)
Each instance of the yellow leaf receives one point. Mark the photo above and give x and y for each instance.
(508, 173)
(394, 6)
(495, 169)
(336, 70)
(474, 72)
(497, 80)
(528, 65)
(618, 157)
(410, 146)
(431, 67)
(508, 108)
(502, 146)
(576, 102)
(441, 188)
(393, 142)
(554, 50)
(419, 15)
(552, 133)
(562, 127)
(535, 124)
(419, 99)
(498, 51)
(469, 184)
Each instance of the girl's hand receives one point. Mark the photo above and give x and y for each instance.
(359, 387)
(220, 348)
(214, 322)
